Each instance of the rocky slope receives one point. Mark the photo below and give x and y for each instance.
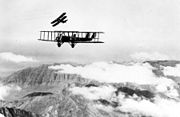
(41, 76)
(13, 112)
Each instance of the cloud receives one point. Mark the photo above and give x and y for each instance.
(172, 71)
(167, 87)
(112, 72)
(1, 115)
(138, 73)
(3, 91)
(94, 93)
(142, 56)
(9, 56)
(160, 107)
(6, 89)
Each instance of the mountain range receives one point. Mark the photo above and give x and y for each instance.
(46, 92)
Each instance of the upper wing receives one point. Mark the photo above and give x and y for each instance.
(52, 35)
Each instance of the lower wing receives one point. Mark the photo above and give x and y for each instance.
(47, 40)
(73, 41)
(88, 42)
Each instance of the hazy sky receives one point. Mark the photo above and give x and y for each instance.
(148, 27)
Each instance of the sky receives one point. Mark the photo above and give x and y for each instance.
(132, 29)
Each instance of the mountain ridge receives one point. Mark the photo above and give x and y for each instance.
(40, 75)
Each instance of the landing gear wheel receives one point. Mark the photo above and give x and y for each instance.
(72, 45)
(59, 44)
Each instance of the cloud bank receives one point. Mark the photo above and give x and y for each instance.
(139, 73)
(1, 115)
(166, 102)
(9, 56)
(136, 73)
(6, 89)
(160, 107)
(93, 93)
(111, 72)
(172, 71)
(142, 56)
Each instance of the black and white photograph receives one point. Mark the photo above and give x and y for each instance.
(89, 58)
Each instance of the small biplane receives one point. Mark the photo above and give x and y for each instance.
(71, 37)
(60, 19)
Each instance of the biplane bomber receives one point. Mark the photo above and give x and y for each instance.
(71, 37)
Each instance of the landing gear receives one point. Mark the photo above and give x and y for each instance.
(72, 40)
(72, 45)
(59, 44)
(58, 39)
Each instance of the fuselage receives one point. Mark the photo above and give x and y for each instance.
(73, 39)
